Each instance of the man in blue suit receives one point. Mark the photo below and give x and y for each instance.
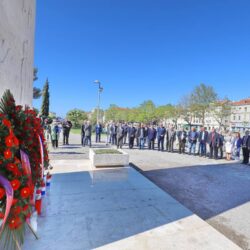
(202, 139)
(151, 137)
(161, 132)
(98, 132)
(192, 139)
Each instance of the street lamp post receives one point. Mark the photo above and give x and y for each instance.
(100, 89)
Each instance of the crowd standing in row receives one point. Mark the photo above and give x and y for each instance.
(212, 144)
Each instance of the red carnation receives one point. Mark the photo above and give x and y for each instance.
(6, 123)
(14, 223)
(7, 154)
(2, 193)
(12, 167)
(25, 192)
(9, 141)
(15, 184)
(25, 208)
(17, 210)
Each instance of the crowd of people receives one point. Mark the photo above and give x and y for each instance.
(54, 130)
(213, 144)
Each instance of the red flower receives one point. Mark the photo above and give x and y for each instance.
(13, 168)
(25, 208)
(2, 193)
(1, 215)
(15, 184)
(14, 223)
(17, 210)
(25, 192)
(14, 202)
(18, 108)
(9, 141)
(7, 154)
(15, 141)
(6, 123)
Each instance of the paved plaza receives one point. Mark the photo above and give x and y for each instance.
(167, 201)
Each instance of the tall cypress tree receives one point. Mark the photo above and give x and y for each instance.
(45, 103)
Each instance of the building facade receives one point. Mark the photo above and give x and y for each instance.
(17, 25)
(240, 115)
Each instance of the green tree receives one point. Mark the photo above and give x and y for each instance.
(147, 111)
(45, 102)
(221, 111)
(200, 100)
(37, 93)
(77, 116)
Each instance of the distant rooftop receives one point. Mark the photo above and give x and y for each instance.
(242, 102)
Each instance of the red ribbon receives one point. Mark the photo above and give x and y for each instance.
(41, 153)
(26, 167)
(9, 198)
(27, 171)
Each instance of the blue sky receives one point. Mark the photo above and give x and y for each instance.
(140, 50)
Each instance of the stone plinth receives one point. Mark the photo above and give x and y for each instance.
(17, 24)
(108, 160)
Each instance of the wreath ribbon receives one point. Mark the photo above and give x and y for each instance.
(9, 198)
(41, 153)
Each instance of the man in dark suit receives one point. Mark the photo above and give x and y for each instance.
(220, 144)
(125, 126)
(131, 135)
(213, 141)
(202, 139)
(98, 132)
(88, 132)
(151, 137)
(192, 139)
(171, 134)
(113, 131)
(67, 125)
(83, 133)
(246, 147)
(120, 135)
(182, 139)
(141, 135)
(161, 132)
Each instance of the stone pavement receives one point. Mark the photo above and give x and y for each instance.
(116, 209)
(121, 209)
(215, 190)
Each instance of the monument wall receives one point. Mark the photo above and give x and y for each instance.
(17, 25)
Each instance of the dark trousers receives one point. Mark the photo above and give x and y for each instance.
(161, 143)
(213, 152)
(125, 138)
(245, 155)
(221, 151)
(182, 145)
(55, 143)
(120, 142)
(151, 144)
(137, 142)
(82, 139)
(98, 138)
(202, 148)
(87, 140)
(131, 142)
(171, 145)
(114, 139)
(66, 137)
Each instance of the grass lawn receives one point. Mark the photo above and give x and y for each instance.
(76, 131)
(107, 151)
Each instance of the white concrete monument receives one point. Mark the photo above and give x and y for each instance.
(17, 25)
